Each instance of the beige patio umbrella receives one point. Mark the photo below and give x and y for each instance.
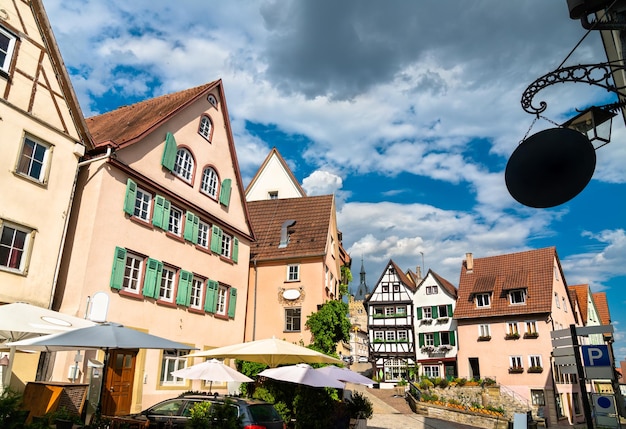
(211, 370)
(271, 352)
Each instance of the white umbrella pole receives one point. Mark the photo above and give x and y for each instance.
(8, 370)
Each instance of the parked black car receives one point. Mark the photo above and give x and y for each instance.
(174, 413)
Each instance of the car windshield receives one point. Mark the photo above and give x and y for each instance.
(264, 413)
(171, 408)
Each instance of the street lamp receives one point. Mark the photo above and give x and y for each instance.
(594, 122)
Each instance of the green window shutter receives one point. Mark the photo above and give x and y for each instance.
(232, 303)
(169, 153)
(449, 310)
(421, 339)
(216, 239)
(157, 215)
(119, 266)
(130, 197)
(196, 227)
(435, 312)
(210, 302)
(151, 279)
(166, 215)
(452, 342)
(225, 192)
(188, 234)
(437, 339)
(184, 288)
(419, 313)
(235, 251)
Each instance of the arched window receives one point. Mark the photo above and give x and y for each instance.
(184, 165)
(206, 128)
(209, 182)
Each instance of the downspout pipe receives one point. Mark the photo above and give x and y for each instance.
(67, 221)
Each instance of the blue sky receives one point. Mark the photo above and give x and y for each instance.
(407, 111)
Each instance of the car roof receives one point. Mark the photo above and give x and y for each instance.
(214, 398)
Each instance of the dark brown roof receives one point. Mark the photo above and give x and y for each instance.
(127, 124)
(602, 305)
(581, 292)
(449, 287)
(308, 236)
(496, 271)
(573, 300)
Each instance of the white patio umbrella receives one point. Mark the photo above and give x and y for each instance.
(271, 352)
(302, 373)
(20, 320)
(104, 336)
(211, 370)
(346, 375)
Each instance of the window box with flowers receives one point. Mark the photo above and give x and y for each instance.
(427, 349)
(443, 320)
(516, 370)
(531, 335)
(426, 321)
(535, 369)
(484, 338)
(513, 336)
(444, 348)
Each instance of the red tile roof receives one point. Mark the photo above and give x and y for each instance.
(581, 292)
(602, 305)
(308, 236)
(496, 273)
(449, 287)
(127, 124)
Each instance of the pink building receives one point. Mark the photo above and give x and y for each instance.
(507, 306)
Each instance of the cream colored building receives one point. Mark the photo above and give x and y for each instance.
(43, 138)
(159, 240)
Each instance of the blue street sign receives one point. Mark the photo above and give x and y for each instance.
(596, 355)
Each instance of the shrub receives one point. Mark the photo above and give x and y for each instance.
(205, 415)
(461, 381)
(441, 382)
(11, 414)
(359, 406)
(426, 384)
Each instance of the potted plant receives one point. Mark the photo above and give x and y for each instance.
(516, 370)
(535, 369)
(401, 387)
(360, 409)
(64, 418)
(10, 409)
(512, 336)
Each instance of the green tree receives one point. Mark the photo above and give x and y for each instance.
(329, 325)
(346, 278)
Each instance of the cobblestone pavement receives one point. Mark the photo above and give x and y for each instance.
(392, 412)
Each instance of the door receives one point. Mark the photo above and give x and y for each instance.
(474, 368)
(118, 390)
(450, 372)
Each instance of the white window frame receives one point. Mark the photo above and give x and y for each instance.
(172, 360)
(556, 300)
(184, 164)
(530, 327)
(197, 293)
(514, 299)
(427, 313)
(133, 273)
(429, 339)
(442, 311)
(483, 300)
(484, 330)
(204, 232)
(401, 309)
(175, 222)
(26, 161)
(516, 361)
(431, 371)
(222, 300)
(512, 328)
(205, 127)
(143, 205)
(403, 336)
(167, 285)
(210, 182)
(535, 360)
(390, 311)
(8, 54)
(390, 336)
(9, 248)
(432, 290)
(293, 319)
(226, 245)
(379, 336)
(293, 272)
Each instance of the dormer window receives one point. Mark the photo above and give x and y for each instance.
(272, 195)
(483, 300)
(517, 296)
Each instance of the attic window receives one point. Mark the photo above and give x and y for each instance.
(211, 99)
(7, 44)
(273, 195)
(517, 296)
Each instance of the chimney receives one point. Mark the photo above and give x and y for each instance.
(469, 262)
(418, 273)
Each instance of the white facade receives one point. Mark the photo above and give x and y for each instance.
(274, 180)
(435, 329)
